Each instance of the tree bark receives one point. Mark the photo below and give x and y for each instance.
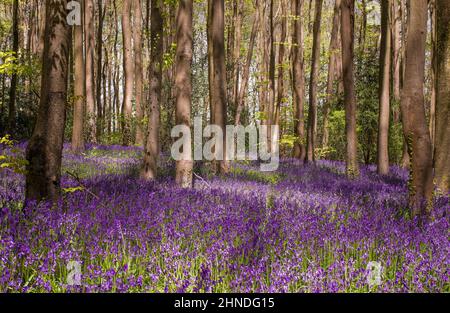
(219, 75)
(347, 37)
(183, 87)
(152, 148)
(442, 152)
(271, 96)
(281, 52)
(384, 90)
(413, 111)
(315, 64)
(129, 72)
(44, 150)
(333, 70)
(79, 92)
(298, 81)
(98, 83)
(90, 85)
(140, 137)
(396, 47)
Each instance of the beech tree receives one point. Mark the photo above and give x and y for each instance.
(79, 91)
(413, 110)
(44, 149)
(315, 63)
(128, 70)
(384, 90)
(219, 96)
(347, 37)
(152, 147)
(183, 87)
(298, 81)
(442, 150)
(89, 14)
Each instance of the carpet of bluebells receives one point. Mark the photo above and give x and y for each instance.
(303, 228)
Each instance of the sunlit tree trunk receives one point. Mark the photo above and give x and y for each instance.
(98, 78)
(90, 85)
(298, 81)
(137, 33)
(384, 90)
(315, 64)
(79, 92)
(413, 110)
(128, 70)
(347, 37)
(183, 87)
(44, 150)
(333, 70)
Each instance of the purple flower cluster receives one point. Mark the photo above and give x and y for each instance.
(303, 228)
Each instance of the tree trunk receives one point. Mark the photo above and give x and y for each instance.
(129, 72)
(183, 87)
(413, 110)
(432, 112)
(211, 63)
(347, 36)
(237, 50)
(98, 83)
(396, 46)
(79, 92)
(333, 70)
(90, 85)
(384, 90)
(152, 149)
(298, 81)
(13, 87)
(140, 137)
(281, 53)
(442, 152)
(315, 64)
(271, 97)
(246, 72)
(44, 150)
(219, 76)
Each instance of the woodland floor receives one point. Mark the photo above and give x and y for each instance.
(303, 228)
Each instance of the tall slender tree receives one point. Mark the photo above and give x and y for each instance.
(334, 69)
(315, 64)
(183, 87)
(347, 37)
(413, 110)
(442, 150)
(79, 91)
(128, 69)
(298, 82)
(156, 60)
(219, 76)
(44, 150)
(384, 90)
(138, 73)
(89, 12)
(101, 11)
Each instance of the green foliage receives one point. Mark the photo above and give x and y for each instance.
(11, 158)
